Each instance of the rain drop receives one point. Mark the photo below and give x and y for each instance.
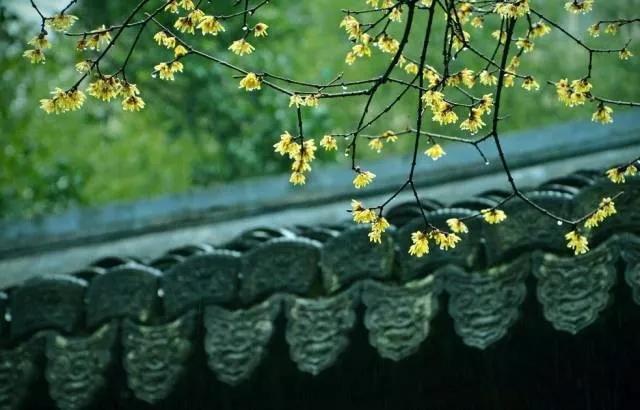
(153, 75)
(7, 317)
(344, 87)
(487, 162)
(160, 293)
(559, 223)
(244, 28)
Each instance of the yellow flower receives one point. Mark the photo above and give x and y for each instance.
(40, 42)
(376, 144)
(530, 84)
(606, 208)
(329, 143)
(241, 47)
(493, 216)
(285, 145)
(185, 25)
(389, 136)
(486, 78)
(445, 241)
(579, 6)
(311, 100)
(445, 114)
(611, 28)
(625, 54)
(83, 66)
(99, 37)
(617, 175)
(210, 25)
(411, 68)
(172, 7)
(361, 214)
(132, 103)
(296, 100)
(602, 114)
(594, 30)
(435, 152)
(575, 93)
(525, 44)
(35, 56)
(260, 30)
(388, 44)
(420, 244)
(129, 89)
(396, 14)
(63, 101)
(457, 226)
(485, 104)
(105, 88)
(187, 4)
(474, 122)
(363, 179)
(250, 82)
(61, 22)
(577, 242)
(512, 10)
(477, 22)
(297, 178)
(377, 229)
(351, 26)
(539, 29)
(180, 51)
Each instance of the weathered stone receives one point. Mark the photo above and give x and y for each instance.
(236, 339)
(526, 228)
(126, 290)
(350, 256)
(76, 366)
(154, 356)
(629, 246)
(317, 329)
(201, 279)
(54, 302)
(398, 316)
(573, 290)
(484, 304)
(279, 265)
(17, 372)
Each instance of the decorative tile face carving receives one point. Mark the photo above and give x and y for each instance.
(630, 252)
(201, 279)
(17, 372)
(485, 304)
(127, 290)
(318, 329)
(398, 316)
(76, 366)
(155, 356)
(573, 290)
(340, 268)
(47, 302)
(236, 340)
(279, 265)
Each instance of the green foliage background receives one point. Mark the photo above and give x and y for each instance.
(201, 130)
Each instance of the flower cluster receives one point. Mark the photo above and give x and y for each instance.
(617, 175)
(378, 223)
(301, 153)
(577, 242)
(420, 241)
(606, 208)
